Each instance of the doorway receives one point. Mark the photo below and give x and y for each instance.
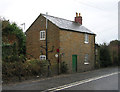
(74, 63)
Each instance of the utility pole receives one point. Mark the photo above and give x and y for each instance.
(47, 46)
(58, 65)
(23, 26)
(58, 55)
(46, 38)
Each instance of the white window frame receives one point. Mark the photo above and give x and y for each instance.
(42, 57)
(86, 59)
(42, 35)
(86, 38)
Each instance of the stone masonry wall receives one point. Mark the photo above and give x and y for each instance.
(72, 43)
(34, 43)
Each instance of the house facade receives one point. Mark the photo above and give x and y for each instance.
(67, 41)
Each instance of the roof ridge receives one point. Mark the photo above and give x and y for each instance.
(57, 17)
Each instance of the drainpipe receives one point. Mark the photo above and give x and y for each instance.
(46, 39)
(47, 46)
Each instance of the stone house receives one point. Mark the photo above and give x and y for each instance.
(67, 41)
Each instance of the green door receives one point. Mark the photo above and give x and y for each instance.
(74, 63)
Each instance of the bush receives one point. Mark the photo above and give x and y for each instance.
(34, 67)
(23, 69)
(11, 69)
(13, 42)
(105, 58)
(64, 67)
(10, 53)
(97, 64)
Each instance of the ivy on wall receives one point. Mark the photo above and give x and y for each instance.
(15, 49)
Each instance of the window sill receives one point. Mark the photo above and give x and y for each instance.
(86, 63)
(42, 39)
(86, 42)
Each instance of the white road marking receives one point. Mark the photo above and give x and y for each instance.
(78, 83)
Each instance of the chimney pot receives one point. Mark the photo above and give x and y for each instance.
(76, 14)
(78, 19)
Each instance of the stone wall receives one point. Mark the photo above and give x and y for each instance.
(72, 43)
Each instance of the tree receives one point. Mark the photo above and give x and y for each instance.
(105, 58)
(114, 51)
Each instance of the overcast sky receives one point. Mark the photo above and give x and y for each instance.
(100, 16)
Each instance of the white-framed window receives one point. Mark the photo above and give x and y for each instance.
(42, 35)
(86, 59)
(42, 57)
(86, 38)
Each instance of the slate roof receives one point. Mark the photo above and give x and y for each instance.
(67, 24)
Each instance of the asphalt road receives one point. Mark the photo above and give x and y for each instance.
(106, 83)
(102, 79)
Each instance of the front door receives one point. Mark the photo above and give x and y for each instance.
(74, 63)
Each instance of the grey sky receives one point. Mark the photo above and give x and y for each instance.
(119, 21)
(100, 16)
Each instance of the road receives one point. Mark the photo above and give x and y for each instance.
(106, 83)
(102, 79)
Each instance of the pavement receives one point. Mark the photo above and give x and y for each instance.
(57, 81)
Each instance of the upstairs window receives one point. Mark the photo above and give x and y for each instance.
(42, 57)
(86, 38)
(86, 59)
(42, 35)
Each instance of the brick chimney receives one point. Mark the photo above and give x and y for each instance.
(78, 19)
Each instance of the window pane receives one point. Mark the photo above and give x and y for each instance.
(86, 57)
(42, 57)
(86, 37)
(42, 35)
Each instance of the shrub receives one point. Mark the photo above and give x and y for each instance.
(105, 58)
(64, 67)
(23, 69)
(13, 42)
(11, 69)
(35, 67)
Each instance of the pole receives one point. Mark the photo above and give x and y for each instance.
(47, 46)
(23, 26)
(58, 64)
(46, 39)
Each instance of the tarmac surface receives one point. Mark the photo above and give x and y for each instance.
(105, 83)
